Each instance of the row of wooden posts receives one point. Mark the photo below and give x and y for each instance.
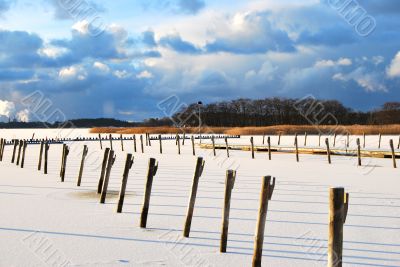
(339, 200)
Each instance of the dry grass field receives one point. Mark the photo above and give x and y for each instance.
(269, 130)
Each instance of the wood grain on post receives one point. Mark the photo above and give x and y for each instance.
(46, 156)
(358, 151)
(328, 150)
(338, 207)
(179, 143)
(267, 189)
(101, 142)
(229, 183)
(269, 148)
(159, 138)
(134, 143)
(16, 143)
(252, 147)
(64, 162)
(197, 174)
(227, 146)
(122, 142)
(40, 155)
(393, 154)
(151, 172)
(141, 143)
(297, 148)
(84, 154)
(25, 143)
(21, 143)
(213, 144)
(380, 139)
(103, 170)
(111, 142)
(110, 163)
(128, 166)
(193, 147)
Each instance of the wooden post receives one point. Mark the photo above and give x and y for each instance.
(46, 156)
(263, 138)
(110, 163)
(25, 143)
(141, 143)
(295, 139)
(152, 170)
(252, 147)
(227, 146)
(380, 138)
(179, 143)
(279, 138)
(269, 148)
(159, 138)
(297, 148)
(2, 141)
(122, 142)
(319, 139)
(134, 143)
(128, 166)
(364, 140)
(40, 155)
(338, 207)
(193, 148)
(16, 143)
(103, 170)
(149, 139)
(197, 174)
(229, 184)
(305, 139)
(101, 142)
(84, 154)
(64, 162)
(328, 151)
(2, 148)
(358, 152)
(348, 139)
(111, 142)
(213, 144)
(267, 190)
(398, 144)
(393, 154)
(184, 137)
(334, 140)
(21, 143)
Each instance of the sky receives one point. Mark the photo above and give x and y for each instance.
(66, 59)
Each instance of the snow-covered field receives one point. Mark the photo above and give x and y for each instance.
(45, 222)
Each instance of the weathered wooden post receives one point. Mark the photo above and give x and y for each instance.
(149, 139)
(40, 155)
(334, 140)
(338, 207)
(295, 138)
(84, 154)
(122, 142)
(193, 147)
(213, 144)
(393, 154)
(46, 156)
(159, 138)
(197, 174)
(269, 148)
(184, 137)
(2, 141)
(134, 143)
(179, 143)
(267, 189)
(328, 151)
(25, 143)
(103, 170)
(363, 140)
(110, 163)
(141, 143)
(101, 143)
(111, 142)
(64, 162)
(263, 138)
(21, 143)
(227, 146)
(358, 152)
(305, 139)
(252, 147)
(380, 138)
(348, 139)
(319, 139)
(16, 143)
(229, 184)
(2, 148)
(398, 144)
(128, 166)
(297, 148)
(152, 171)
(279, 138)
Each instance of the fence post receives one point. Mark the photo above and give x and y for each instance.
(263, 138)
(348, 139)
(305, 139)
(269, 148)
(101, 143)
(141, 143)
(122, 142)
(25, 143)
(84, 154)
(111, 142)
(297, 148)
(197, 174)
(319, 139)
(227, 146)
(159, 138)
(16, 143)
(267, 189)
(279, 139)
(40, 155)
(213, 144)
(252, 147)
(103, 170)
(334, 140)
(110, 163)
(149, 139)
(128, 166)
(328, 151)
(364, 140)
(229, 184)
(2, 141)
(193, 148)
(398, 144)
(358, 152)
(152, 170)
(393, 154)
(46, 156)
(64, 161)
(179, 143)
(338, 207)
(380, 138)
(21, 143)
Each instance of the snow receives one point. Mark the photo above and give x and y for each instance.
(45, 222)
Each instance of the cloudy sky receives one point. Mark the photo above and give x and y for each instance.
(101, 58)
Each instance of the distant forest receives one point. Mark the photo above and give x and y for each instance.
(246, 112)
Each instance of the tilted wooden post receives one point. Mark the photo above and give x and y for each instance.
(193, 147)
(103, 170)
(122, 142)
(319, 139)
(25, 143)
(358, 152)
(46, 156)
(338, 208)
(40, 155)
(151, 172)
(305, 139)
(227, 146)
(297, 148)
(134, 143)
(269, 148)
(2, 141)
(328, 151)
(141, 143)
(393, 154)
(16, 143)
(252, 147)
(101, 143)
(279, 139)
(295, 138)
(64, 162)
(398, 144)
(84, 154)
(128, 166)
(159, 138)
(179, 143)
(21, 143)
(380, 139)
(197, 174)
(229, 184)
(2, 148)
(334, 140)
(110, 163)
(213, 144)
(364, 140)
(267, 189)
(111, 142)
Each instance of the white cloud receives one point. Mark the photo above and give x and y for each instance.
(393, 70)
(101, 66)
(82, 27)
(122, 74)
(52, 51)
(331, 63)
(72, 72)
(145, 75)
(370, 81)
(7, 108)
(23, 115)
